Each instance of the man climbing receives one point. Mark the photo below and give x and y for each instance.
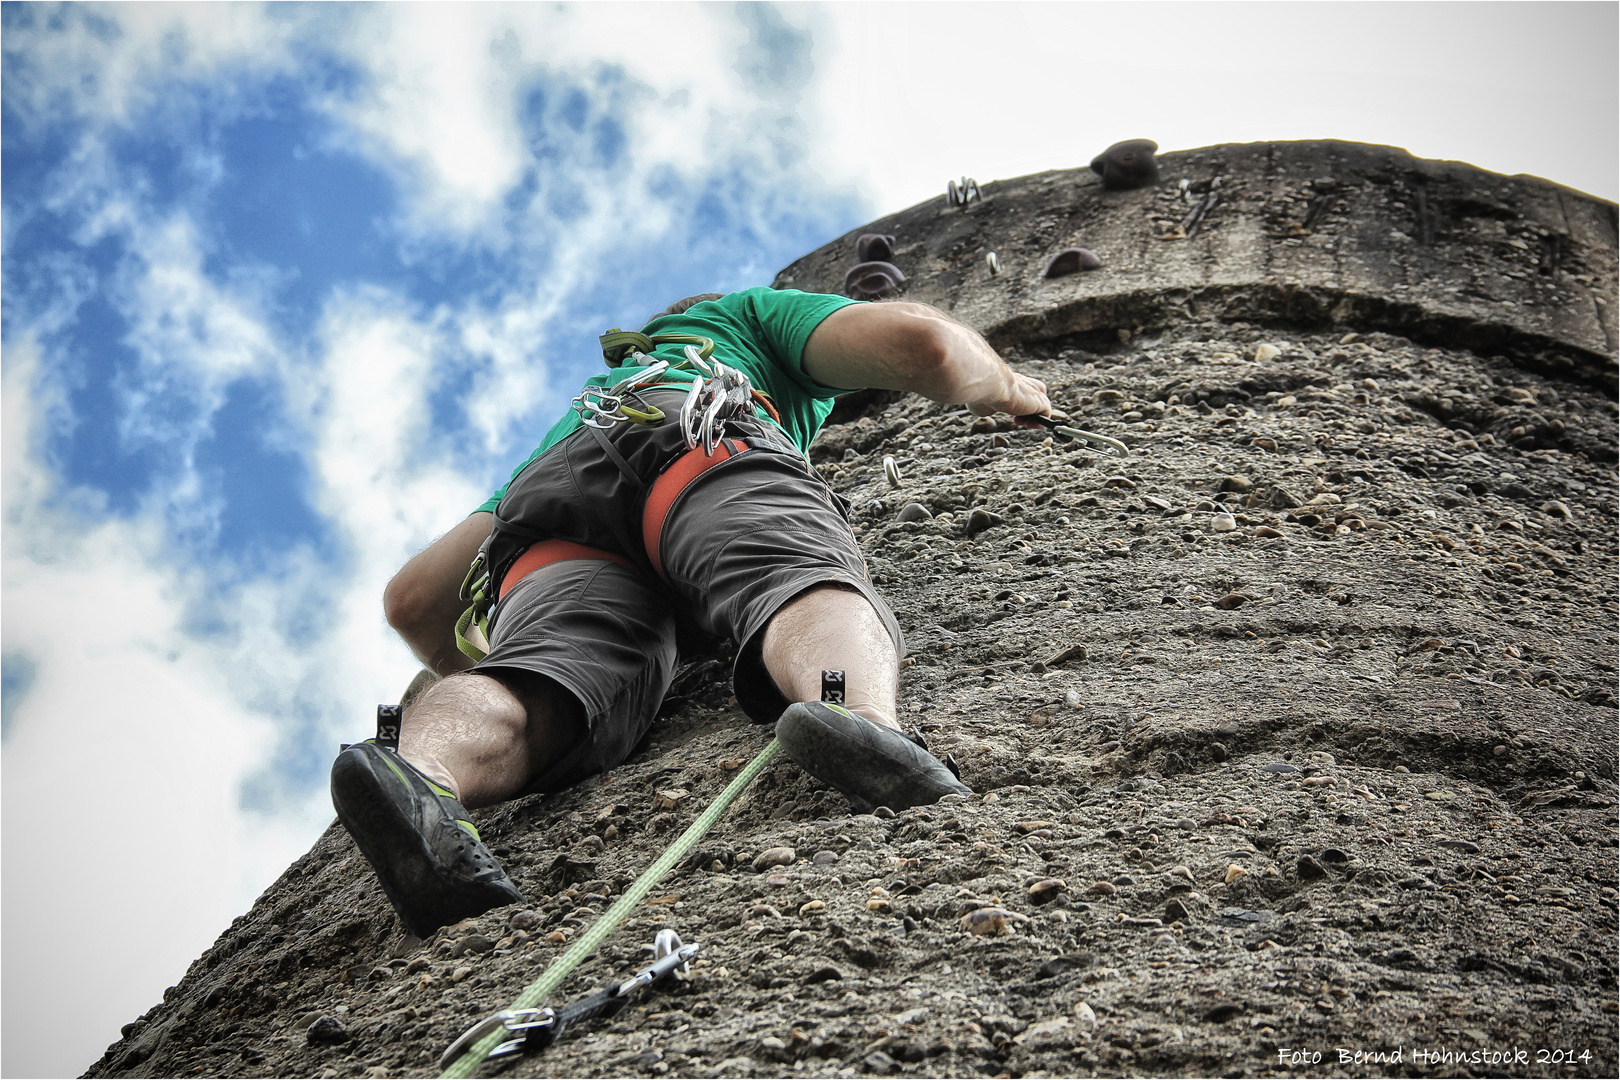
(677, 482)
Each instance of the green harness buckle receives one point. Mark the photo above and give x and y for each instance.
(472, 629)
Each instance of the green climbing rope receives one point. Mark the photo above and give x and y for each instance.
(564, 965)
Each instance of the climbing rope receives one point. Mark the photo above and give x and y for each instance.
(564, 965)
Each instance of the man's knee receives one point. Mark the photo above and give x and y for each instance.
(824, 606)
(470, 696)
(545, 702)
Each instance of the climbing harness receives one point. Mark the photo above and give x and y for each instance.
(716, 394)
(472, 629)
(491, 1034)
(671, 484)
(536, 1029)
(1065, 433)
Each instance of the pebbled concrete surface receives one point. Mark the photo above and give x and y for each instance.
(1293, 732)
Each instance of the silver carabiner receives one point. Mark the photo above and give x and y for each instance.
(712, 421)
(689, 414)
(700, 365)
(669, 957)
(593, 415)
(513, 1020)
(1114, 446)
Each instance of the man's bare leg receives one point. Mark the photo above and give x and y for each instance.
(874, 764)
(486, 739)
(831, 627)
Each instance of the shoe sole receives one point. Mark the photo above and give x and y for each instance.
(406, 867)
(872, 765)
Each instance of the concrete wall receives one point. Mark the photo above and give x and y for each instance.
(1438, 251)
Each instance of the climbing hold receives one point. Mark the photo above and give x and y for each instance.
(961, 192)
(990, 921)
(1127, 165)
(870, 280)
(981, 519)
(1046, 890)
(1071, 260)
(874, 247)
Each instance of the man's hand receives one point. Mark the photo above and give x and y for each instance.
(1025, 397)
(905, 346)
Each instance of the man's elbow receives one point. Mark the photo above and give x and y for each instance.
(406, 605)
(929, 340)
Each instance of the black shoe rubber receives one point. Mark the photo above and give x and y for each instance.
(433, 870)
(871, 764)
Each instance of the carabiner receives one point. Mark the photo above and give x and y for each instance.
(513, 1020)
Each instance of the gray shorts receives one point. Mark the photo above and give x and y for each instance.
(744, 539)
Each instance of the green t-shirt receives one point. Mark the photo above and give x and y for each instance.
(759, 331)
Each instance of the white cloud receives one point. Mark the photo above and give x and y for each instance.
(164, 688)
(121, 768)
(380, 473)
(923, 94)
(901, 97)
(446, 85)
(107, 62)
(437, 102)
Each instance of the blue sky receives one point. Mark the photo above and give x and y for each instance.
(288, 289)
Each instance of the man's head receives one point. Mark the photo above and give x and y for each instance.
(680, 306)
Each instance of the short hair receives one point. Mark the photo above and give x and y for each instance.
(680, 306)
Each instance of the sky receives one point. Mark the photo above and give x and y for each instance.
(286, 290)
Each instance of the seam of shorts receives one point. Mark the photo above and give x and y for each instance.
(572, 477)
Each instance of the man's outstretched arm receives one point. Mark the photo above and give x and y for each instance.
(423, 600)
(905, 346)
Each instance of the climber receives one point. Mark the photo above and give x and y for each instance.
(612, 529)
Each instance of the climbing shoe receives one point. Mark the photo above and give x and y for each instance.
(871, 764)
(419, 839)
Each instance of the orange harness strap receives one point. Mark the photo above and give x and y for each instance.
(547, 552)
(668, 487)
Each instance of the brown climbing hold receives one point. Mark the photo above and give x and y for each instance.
(874, 247)
(870, 280)
(1072, 260)
(1127, 165)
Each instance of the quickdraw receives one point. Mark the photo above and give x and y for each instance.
(1064, 433)
(724, 394)
(472, 629)
(538, 1028)
(618, 344)
(602, 408)
(718, 393)
(476, 1045)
